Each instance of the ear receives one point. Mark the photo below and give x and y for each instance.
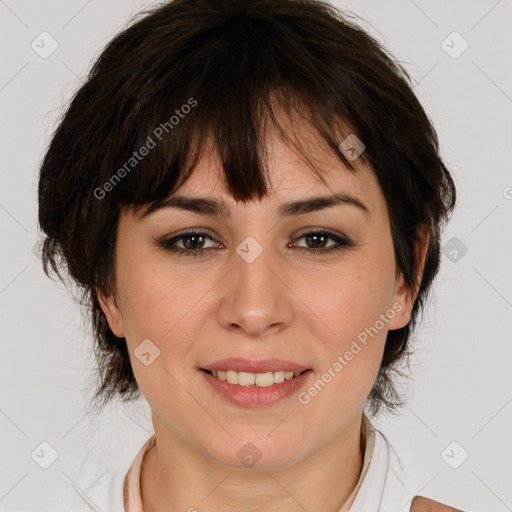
(111, 311)
(403, 295)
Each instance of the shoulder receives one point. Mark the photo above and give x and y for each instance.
(421, 504)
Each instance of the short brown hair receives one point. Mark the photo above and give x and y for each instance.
(234, 63)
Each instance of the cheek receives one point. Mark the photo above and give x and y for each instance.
(155, 295)
(353, 304)
(144, 308)
(162, 306)
(350, 354)
(155, 309)
(142, 299)
(352, 298)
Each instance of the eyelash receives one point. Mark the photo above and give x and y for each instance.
(169, 244)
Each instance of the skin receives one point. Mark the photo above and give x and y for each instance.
(421, 504)
(287, 304)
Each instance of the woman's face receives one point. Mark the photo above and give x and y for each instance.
(259, 290)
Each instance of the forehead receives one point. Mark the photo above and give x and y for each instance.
(289, 173)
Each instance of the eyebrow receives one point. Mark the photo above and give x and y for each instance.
(213, 207)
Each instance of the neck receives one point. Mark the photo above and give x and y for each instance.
(175, 476)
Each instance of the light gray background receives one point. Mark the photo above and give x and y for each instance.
(462, 380)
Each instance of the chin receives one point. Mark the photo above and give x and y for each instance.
(258, 455)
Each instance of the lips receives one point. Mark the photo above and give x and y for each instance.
(255, 395)
(240, 364)
(248, 383)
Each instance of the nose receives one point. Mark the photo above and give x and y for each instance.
(257, 298)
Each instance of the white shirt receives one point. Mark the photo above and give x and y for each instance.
(380, 487)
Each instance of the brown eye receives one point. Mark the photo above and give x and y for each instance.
(192, 242)
(316, 242)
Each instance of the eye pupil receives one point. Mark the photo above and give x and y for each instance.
(194, 244)
(316, 237)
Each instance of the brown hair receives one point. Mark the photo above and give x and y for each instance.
(236, 64)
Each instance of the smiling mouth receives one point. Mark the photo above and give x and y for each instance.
(248, 379)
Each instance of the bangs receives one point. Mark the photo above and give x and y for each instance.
(258, 95)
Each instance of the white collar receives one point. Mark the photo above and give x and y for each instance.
(383, 486)
(380, 487)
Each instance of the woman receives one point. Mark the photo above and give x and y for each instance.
(251, 197)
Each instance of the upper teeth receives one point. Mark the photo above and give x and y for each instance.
(251, 379)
